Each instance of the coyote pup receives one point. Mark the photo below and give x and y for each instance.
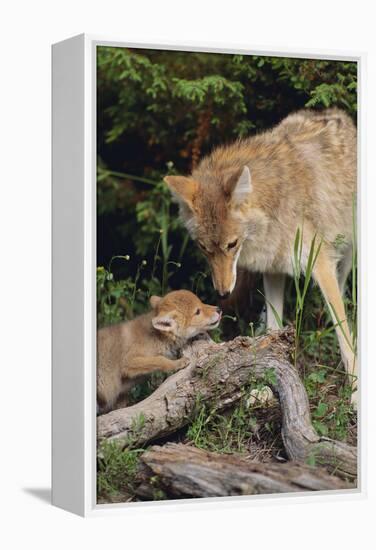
(152, 342)
(244, 203)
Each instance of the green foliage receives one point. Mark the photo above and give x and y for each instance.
(224, 433)
(236, 428)
(269, 377)
(162, 95)
(109, 295)
(116, 470)
(329, 394)
(121, 299)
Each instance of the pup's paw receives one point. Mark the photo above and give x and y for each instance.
(182, 363)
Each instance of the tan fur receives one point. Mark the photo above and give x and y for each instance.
(128, 351)
(257, 192)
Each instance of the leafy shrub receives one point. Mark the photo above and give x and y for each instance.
(116, 470)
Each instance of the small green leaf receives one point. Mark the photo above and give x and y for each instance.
(320, 428)
(321, 410)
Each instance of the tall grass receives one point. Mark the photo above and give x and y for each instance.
(301, 290)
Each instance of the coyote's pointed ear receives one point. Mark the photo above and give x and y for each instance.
(165, 323)
(154, 301)
(184, 189)
(239, 186)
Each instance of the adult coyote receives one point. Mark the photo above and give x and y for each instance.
(244, 203)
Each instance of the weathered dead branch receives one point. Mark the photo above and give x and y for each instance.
(183, 471)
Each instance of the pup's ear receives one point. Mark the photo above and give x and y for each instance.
(154, 301)
(183, 189)
(239, 186)
(165, 323)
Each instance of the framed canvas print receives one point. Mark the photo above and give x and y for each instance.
(207, 283)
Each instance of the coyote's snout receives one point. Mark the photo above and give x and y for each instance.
(244, 203)
(223, 262)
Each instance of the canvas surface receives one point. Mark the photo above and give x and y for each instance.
(226, 201)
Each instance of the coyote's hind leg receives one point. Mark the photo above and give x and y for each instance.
(325, 274)
(344, 268)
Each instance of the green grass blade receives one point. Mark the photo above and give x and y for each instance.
(339, 322)
(275, 313)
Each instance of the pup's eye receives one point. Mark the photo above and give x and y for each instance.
(232, 245)
(201, 246)
(198, 311)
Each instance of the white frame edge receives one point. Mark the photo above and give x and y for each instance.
(68, 247)
(74, 281)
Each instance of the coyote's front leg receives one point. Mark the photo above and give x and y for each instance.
(274, 286)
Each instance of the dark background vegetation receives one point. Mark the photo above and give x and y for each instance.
(158, 112)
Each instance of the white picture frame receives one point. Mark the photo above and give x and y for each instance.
(73, 268)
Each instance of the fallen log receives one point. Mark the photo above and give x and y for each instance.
(182, 471)
(217, 375)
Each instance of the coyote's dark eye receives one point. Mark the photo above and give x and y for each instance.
(201, 246)
(198, 311)
(232, 245)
